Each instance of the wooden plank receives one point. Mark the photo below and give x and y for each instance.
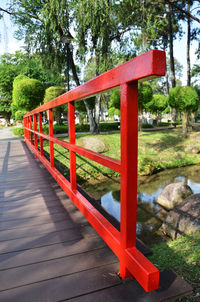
(171, 288)
(32, 221)
(47, 239)
(66, 287)
(55, 268)
(11, 215)
(58, 250)
(36, 203)
(41, 229)
(28, 199)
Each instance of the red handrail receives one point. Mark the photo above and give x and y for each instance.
(149, 65)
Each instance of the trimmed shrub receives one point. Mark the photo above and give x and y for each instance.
(27, 93)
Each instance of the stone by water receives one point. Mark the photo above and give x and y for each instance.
(150, 215)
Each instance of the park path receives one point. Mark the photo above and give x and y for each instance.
(48, 251)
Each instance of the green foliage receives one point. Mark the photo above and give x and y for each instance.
(183, 98)
(148, 166)
(19, 131)
(19, 78)
(158, 104)
(53, 92)
(19, 114)
(115, 98)
(27, 93)
(181, 255)
(113, 111)
(80, 106)
(147, 126)
(145, 94)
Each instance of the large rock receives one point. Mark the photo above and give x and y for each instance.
(173, 195)
(191, 148)
(184, 219)
(93, 143)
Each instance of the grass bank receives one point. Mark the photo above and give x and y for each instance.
(157, 151)
(181, 255)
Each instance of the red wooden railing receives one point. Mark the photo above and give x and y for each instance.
(147, 66)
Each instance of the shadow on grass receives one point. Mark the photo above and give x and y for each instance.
(180, 255)
(166, 141)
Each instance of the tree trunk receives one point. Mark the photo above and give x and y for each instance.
(174, 114)
(188, 46)
(185, 123)
(167, 84)
(102, 110)
(76, 79)
(171, 48)
(139, 119)
(98, 97)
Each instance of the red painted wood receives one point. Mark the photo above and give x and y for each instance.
(25, 131)
(30, 121)
(106, 161)
(144, 272)
(72, 140)
(129, 149)
(132, 262)
(51, 134)
(149, 65)
(40, 130)
(35, 129)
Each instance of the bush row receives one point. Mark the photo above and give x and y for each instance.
(58, 129)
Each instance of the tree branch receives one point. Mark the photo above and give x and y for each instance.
(5, 11)
(182, 10)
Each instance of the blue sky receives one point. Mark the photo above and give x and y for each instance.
(7, 33)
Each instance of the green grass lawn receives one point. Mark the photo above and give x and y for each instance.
(181, 255)
(157, 151)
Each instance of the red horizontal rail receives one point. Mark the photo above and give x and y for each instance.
(106, 161)
(149, 65)
(123, 243)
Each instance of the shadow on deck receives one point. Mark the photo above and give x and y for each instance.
(48, 250)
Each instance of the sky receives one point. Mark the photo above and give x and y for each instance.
(7, 30)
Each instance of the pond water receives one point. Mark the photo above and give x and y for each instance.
(149, 214)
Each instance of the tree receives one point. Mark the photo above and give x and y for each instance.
(145, 94)
(7, 74)
(184, 99)
(157, 105)
(52, 93)
(27, 94)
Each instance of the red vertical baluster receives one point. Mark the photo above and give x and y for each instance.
(129, 150)
(35, 129)
(29, 126)
(72, 139)
(24, 128)
(25, 131)
(26, 125)
(41, 138)
(31, 129)
(51, 134)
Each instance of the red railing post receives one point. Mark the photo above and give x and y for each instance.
(40, 130)
(129, 149)
(35, 129)
(31, 129)
(51, 134)
(72, 139)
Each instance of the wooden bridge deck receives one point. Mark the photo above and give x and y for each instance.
(48, 251)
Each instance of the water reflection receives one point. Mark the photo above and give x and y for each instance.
(149, 214)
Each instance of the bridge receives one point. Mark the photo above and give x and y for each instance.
(48, 250)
